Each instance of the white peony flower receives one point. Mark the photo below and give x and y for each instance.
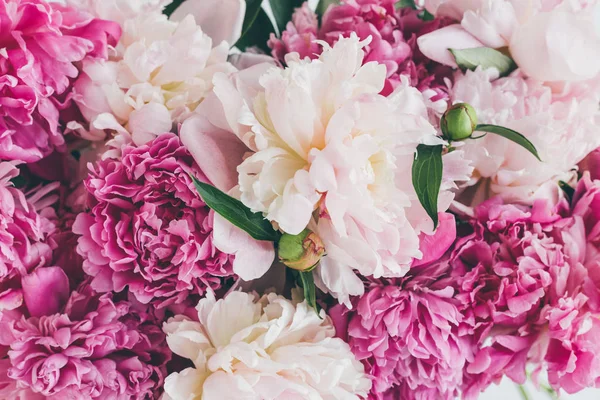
(119, 10)
(254, 349)
(160, 72)
(562, 126)
(328, 152)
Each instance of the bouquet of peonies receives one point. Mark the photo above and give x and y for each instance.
(279, 200)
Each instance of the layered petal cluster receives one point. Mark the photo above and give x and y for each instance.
(97, 347)
(40, 44)
(161, 72)
(527, 278)
(562, 127)
(551, 41)
(330, 153)
(393, 32)
(267, 348)
(409, 335)
(147, 229)
(24, 239)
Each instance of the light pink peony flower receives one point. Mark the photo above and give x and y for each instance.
(161, 72)
(148, 230)
(562, 127)
(552, 41)
(331, 154)
(393, 33)
(267, 348)
(40, 43)
(97, 347)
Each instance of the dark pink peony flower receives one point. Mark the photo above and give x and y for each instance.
(520, 287)
(148, 229)
(409, 334)
(97, 348)
(393, 41)
(24, 241)
(526, 278)
(40, 43)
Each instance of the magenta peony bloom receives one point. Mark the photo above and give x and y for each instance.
(96, 348)
(410, 337)
(148, 229)
(393, 32)
(40, 41)
(528, 277)
(520, 287)
(24, 244)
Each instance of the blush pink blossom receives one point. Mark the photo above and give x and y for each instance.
(561, 125)
(40, 43)
(147, 229)
(550, 41)
(393, 32)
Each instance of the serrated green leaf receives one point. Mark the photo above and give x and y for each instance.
(310, 291)
(236, 212)
(324, 5)
(484, 57)
(427, 171)
(172, 7)
(283, 10)
(511, 135)
(405, 3)
(258, 34)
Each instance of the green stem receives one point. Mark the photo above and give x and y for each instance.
(523, 392)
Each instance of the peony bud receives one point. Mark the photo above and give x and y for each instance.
(459, 122)
(301, 252)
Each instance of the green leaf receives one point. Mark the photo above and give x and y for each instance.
(172, 7)
(427, 178)
(236, 212)
(511, 135)
(310, 292)
(484, 57)
(405, 3)
(323, 6)
(426, 16)
(283, 10)
(258, 34)
(567, 189)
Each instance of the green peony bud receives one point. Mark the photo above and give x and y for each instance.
(301, 252)
(459, 122)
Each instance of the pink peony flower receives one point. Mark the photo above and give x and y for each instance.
(148, 229)
(528, 279)
(97, 348)
(561, 125)
(24, 244)
(409, 335)
(300, 36)
(344, 173)
(40, 43)
(393, 32)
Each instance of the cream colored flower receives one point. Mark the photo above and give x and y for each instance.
(254, 349)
